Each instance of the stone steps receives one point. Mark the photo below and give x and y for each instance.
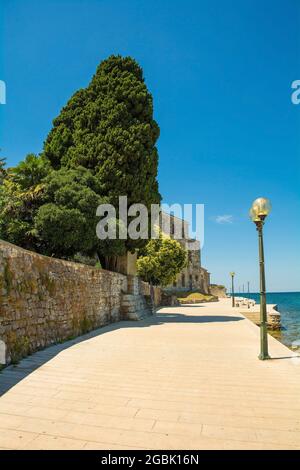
(136, 307)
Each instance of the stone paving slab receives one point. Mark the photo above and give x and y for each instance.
(188, 378)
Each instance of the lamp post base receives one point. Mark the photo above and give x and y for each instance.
(263, 357)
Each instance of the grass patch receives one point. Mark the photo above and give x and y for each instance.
(195, 297)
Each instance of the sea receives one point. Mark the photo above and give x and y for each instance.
(288, 304)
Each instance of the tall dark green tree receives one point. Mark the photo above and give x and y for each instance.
(108, 128)
(101, 146)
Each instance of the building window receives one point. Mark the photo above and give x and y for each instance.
(174, 284)
(183, 280)
(197, 278)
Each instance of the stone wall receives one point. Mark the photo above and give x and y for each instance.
(217, 290)
(273, 316)
(45, 300)
(141, 300)
(145, 290)
(193, 277)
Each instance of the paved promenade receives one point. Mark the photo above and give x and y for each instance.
(187, 379)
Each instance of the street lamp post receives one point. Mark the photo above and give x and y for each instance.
(260, 208)
(232, 288)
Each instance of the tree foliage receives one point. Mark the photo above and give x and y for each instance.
(161, 260)
(101, 146)
(29, 173)
(108, 128)
(20, 198)
(66, 221)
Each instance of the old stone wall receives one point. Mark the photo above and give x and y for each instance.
(217, 290)
(156, 295)
(45, 300)
(273, 316)
(141, 299)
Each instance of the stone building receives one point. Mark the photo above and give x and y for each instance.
(193, 276)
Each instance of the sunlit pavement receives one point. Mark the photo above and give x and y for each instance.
(188, 378)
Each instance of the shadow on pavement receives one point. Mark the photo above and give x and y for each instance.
(284, 357)
(179, 318)
(13, 374)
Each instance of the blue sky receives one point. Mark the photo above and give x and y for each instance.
(220, 74)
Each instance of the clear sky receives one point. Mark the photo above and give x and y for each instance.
(220, 73)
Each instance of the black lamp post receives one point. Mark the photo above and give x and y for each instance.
(232, 274)
(260, 208)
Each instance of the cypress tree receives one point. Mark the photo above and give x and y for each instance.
(108, 128)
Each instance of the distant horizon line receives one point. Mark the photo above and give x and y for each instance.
(269, 292)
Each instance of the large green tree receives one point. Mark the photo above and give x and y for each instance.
(101, 146)
(108, 128)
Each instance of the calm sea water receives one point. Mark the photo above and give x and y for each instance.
(289, 307)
